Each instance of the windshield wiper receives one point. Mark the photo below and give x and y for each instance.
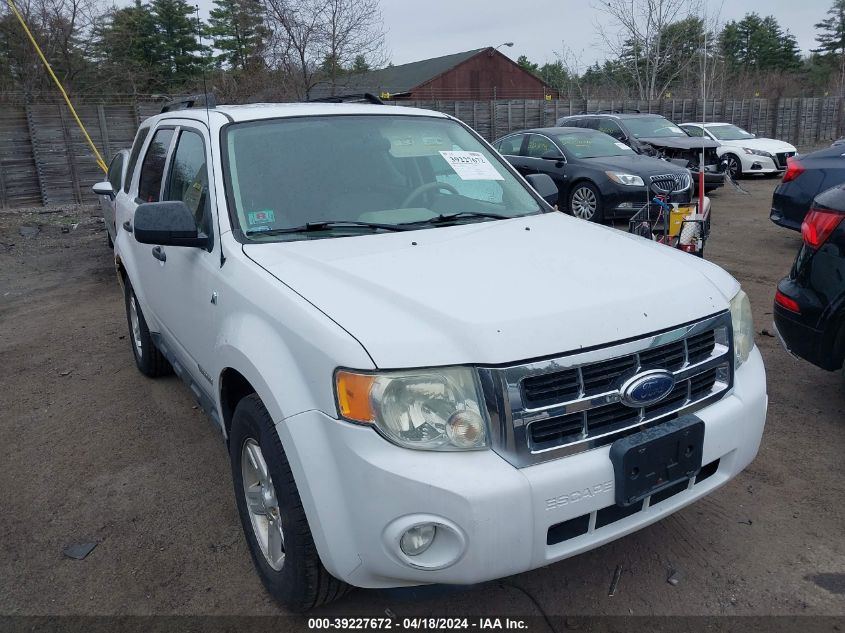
(325, 225)
(451, 217)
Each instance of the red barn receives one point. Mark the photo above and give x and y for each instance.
(484, 73)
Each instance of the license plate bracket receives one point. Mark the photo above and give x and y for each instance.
(654, 459)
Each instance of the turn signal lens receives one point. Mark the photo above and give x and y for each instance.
(818, 225)
(353, 396)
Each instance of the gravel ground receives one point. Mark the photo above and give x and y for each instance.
(95, 452)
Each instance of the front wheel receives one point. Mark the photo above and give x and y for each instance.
(272, 515)
(733, 166)
(585, 202)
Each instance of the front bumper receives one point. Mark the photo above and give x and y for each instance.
(756, 164)
(357, 488)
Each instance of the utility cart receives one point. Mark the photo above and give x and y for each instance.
(679, 225)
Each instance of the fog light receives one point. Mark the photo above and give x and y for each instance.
(465, 429)
(418, 539)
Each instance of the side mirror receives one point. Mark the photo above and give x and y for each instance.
(103, 189)
(545, 186)
(166, 224)
(553, 155)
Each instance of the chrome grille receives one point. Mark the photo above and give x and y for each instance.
(552, 408)
(782, 156)
(670, 183)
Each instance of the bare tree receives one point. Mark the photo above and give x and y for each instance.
(315, 41)
(639, 35)
(352, 28)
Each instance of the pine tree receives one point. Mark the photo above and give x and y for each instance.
(831, 38)
(525, 63)
(360, 65)
(178, 50)
(237, 29)
(126, 46)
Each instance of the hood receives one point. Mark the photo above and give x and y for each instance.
(678, 142)
(765, 144)
(496, 292)
(638, 164)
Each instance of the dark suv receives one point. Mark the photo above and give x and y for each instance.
(654, 135)
(810, 303)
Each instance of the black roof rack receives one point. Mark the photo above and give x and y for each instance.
(634, 111)
(186, 103)
(363, 97)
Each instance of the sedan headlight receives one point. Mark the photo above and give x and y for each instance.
(426, 409)
(743, 326)
(629, 180)
(756, 152)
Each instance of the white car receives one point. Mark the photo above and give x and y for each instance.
(418, 378)
(744, 152)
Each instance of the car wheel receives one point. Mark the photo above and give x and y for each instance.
(585, 202)
(272, 515)
(733, 166)
(150, 361)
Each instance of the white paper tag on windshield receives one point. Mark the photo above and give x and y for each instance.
(471, 166)
(622, 146)
(676, 130)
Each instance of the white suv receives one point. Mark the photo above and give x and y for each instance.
(423, 372)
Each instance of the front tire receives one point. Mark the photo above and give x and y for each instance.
(585, 202)
(150, 361)
(734, 166)
(272, 516)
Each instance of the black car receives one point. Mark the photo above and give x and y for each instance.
(810, 303)
(805, 177)
(598, 177)
(654, 135)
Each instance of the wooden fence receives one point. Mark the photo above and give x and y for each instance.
(44, 159)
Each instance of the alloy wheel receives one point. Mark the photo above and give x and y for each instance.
(262, 505)
(136, 325)
(584, 203)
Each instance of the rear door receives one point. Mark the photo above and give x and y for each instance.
(511, 148)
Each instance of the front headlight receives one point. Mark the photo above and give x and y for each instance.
(426, 409)
(629, 180)
(756, 152)
(743, 326)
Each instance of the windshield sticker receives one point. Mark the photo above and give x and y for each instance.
(676, 130)
(622, 146)
(257, 218)
(471, 166)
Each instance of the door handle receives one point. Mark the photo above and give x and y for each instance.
(127, 226)
(159, 254)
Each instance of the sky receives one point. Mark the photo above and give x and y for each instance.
(420, 29)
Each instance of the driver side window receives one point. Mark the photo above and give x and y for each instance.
(188, 178)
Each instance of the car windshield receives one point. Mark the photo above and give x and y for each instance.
(340, 175)
(652, 127)
(729, 133)
(591, 145)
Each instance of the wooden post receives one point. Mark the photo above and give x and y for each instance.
(819, 113)
(493, 127)
(510, 120)
(71, 159)
(104, 132)
(42, 183)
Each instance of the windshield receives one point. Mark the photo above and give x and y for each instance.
(333, 171)
(652, 127)
(729, 133)
(591, 145)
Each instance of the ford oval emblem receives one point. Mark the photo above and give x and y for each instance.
(647, 388)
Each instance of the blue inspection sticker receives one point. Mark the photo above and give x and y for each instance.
(257, 218)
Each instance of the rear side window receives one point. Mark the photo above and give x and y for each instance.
(116, 171)
(133, 157)
(152, 169)
(510, 146)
